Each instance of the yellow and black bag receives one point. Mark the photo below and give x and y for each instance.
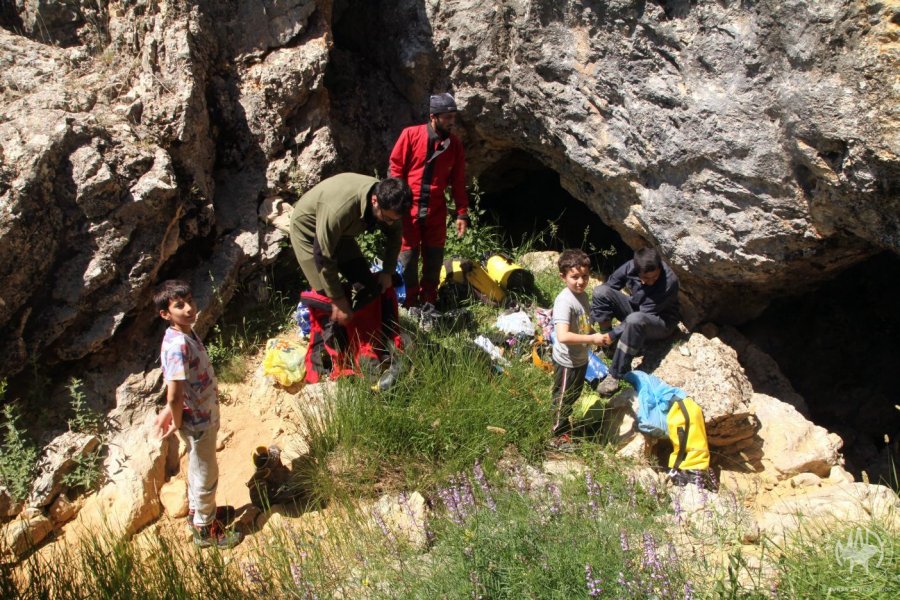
(460, 272)
(687, 432)
(508, 275)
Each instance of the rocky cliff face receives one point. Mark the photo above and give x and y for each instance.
(754, 142)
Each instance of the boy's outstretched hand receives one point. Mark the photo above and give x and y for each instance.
(165, 422)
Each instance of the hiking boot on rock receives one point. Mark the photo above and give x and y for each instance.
(215, 534)
(609, 386)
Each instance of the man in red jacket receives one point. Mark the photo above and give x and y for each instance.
(429, 158)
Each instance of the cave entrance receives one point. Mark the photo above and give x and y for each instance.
(526, 200)
(838, 347)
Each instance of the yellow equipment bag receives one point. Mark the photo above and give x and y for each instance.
(460, 271)
(283, 361)
(508, 274)
(589, 408)
(688, 434)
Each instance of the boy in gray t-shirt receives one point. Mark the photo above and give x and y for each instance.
(573, 335)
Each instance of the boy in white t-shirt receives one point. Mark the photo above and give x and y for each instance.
(573, 335)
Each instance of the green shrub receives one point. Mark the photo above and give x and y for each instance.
(481, 238)
(85, 419)
(18, 454)
(87, 473)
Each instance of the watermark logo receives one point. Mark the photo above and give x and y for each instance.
(863, 548)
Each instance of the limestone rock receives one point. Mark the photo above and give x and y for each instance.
(271, 23)
(59, 459)
(563, 468)
(63, 509)
(21, 535)
(713, 377)
(715, 132)
(791, 445)
(403, 517)
(541, 262)
(839, 474)
(819, 508)
(620, 426)
(713, 514)
(173, 497)
(8, 507)
(135, 468)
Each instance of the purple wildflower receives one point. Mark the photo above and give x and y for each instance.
(623, 583)
(673, 553)
(698, 481)
(555, 499)
(483, 484)
(384, 528)
(651, 562)
(450, 501)
(297, 574)
(593, 491)
(467, 503)
(404, 502)
(594, 586)
(713, 480)
(252, 574)
(676, 506)
(688, 591)
(301, 584)
(520, 481)
(623, 540)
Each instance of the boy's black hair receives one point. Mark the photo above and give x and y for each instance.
(393, 194)
(573, 258)
(169, 290)
(647, 259)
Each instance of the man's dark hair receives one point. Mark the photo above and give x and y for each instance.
(647, 260)
(393, 194)
(169, 290)
(573, 258)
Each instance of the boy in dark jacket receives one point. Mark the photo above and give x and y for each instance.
(650, 312)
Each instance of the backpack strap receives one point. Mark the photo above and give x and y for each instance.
(448, 270)
(682, 435)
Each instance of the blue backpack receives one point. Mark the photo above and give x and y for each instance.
(655, 398)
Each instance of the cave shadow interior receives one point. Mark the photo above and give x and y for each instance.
(525, 199)
(838, 347)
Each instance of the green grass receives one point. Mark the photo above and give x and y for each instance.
(817, 566)
(434, 421)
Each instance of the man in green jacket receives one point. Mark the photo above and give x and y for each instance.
(327, 218)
